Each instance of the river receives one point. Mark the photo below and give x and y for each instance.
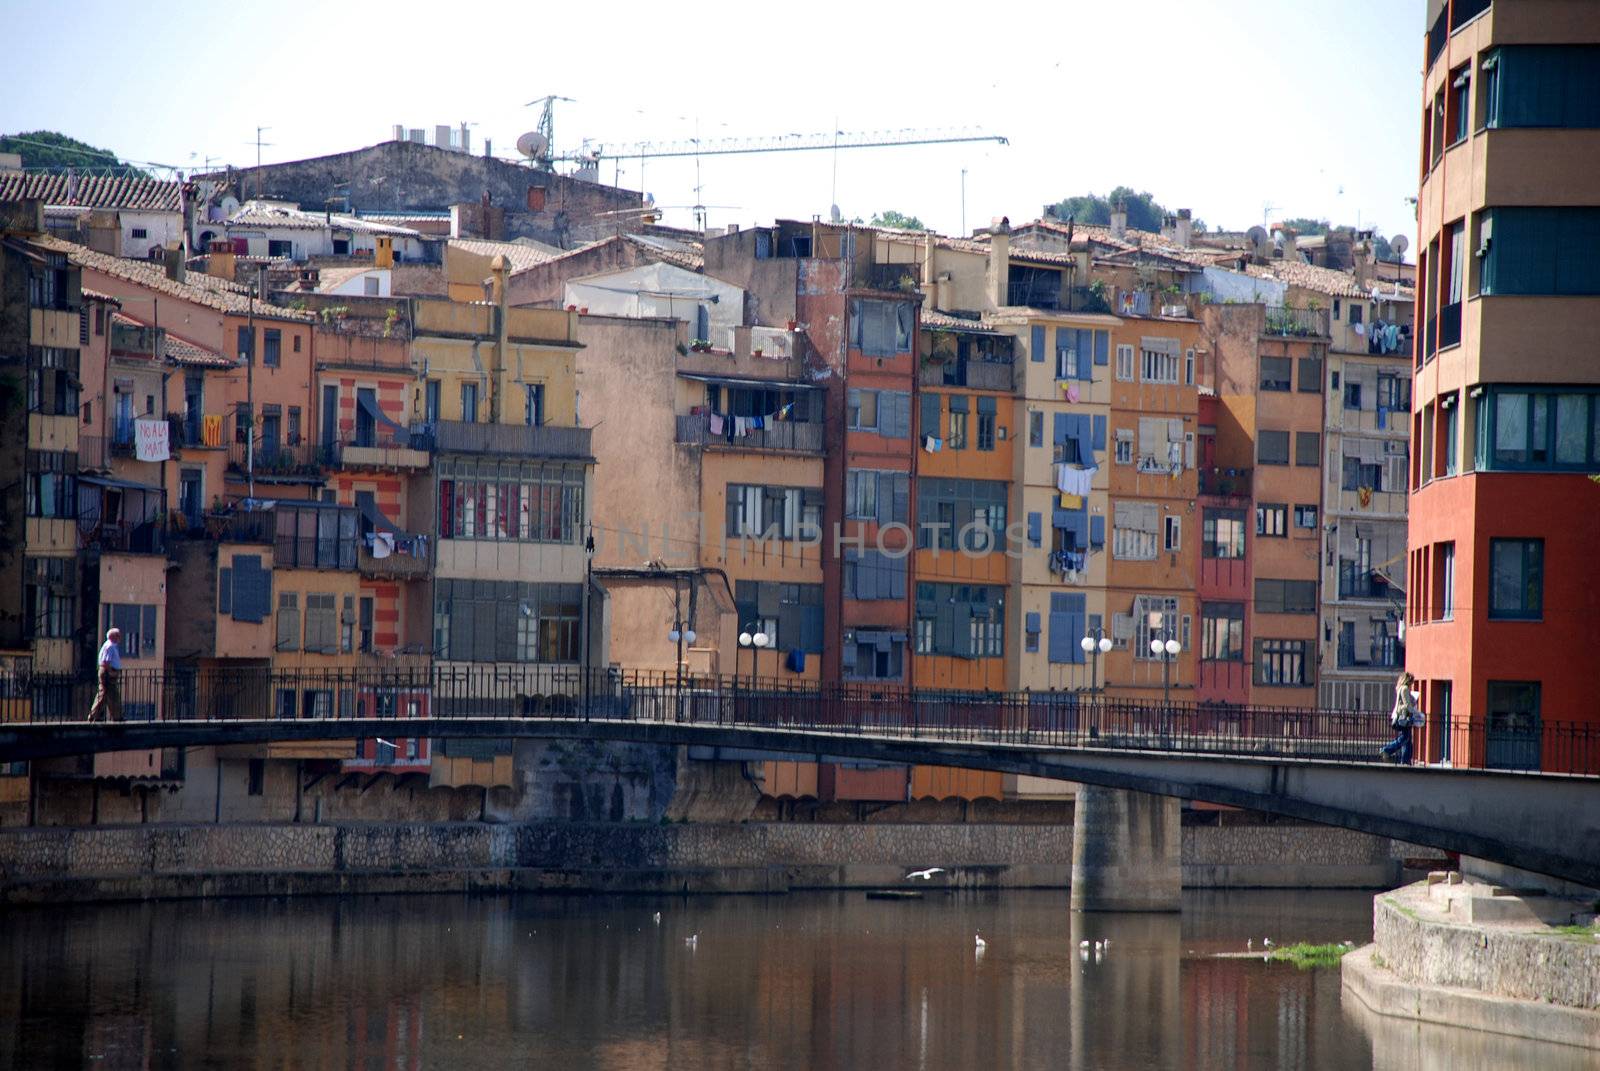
(809, 980)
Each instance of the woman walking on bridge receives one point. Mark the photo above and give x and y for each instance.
(1402, 718)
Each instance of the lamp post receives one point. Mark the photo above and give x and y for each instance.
(1094, 647)
(755, 641)
(680, 634)
(1166, 650)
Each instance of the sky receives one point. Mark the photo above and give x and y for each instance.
(1240, 110)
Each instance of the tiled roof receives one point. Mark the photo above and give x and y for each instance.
(1323, 280)
(519, 257)
(330, 279)
(940, 321)
(207, 290)
(180, 350)
(689, 255)
(95, 295)
(92, 191)
(265, 214)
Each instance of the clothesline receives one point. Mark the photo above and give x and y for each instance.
(740, 426)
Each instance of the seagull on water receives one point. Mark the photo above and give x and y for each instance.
(1083, 944)
(658, 918)
(979, 943)
(692, 941)
(1266, 942)
(924, 875)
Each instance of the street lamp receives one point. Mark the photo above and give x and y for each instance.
(1094, 648)
(755, 641)
(1166, 650)
(680, 635)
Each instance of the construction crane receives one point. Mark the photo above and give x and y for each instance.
(838, 139)
(547, 122)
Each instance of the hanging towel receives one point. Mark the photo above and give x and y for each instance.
(758, 423)
(1073, 480)
(931, 445)
(796, 662)
(716, 423)
(1066, 501)
(741, 425)
(1072, 394)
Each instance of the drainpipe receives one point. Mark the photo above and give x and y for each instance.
(497, 294)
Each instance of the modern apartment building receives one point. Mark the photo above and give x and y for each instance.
(1504, 582)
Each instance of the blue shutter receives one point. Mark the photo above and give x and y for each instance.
(1085, 436)
(1063, 422)
(867, 575)
(1066, 627)
(225, 591)
(1097, 531)
(885, 494)
(930, 415)
(1036, 345)
(1086, 355)
(811, 629)
(1035, 530)
(1031, 623)
(901, 510)
(1061, 640)
(1100, 433)
(1102, 346)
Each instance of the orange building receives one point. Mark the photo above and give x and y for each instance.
(1503, 584)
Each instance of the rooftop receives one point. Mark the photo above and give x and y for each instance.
(1326, 280)
(91, 191)
(207, 290)
(519, 256)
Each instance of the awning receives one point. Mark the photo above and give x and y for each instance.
(121, 485)
(369, 405)
(375, 517)
(762, 384)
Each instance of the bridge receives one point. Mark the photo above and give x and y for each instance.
(1316, 765)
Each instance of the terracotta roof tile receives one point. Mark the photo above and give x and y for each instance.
(1323, 280)
(92, 191)
(519, 257)
(207, 290)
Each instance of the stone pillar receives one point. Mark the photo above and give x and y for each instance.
(1126, 849)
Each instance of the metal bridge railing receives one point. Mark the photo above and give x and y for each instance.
(441, 694)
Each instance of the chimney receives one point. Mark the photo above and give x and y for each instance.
(219, 259)
(383, 254)
(1363, 263)
(399, 132)
(177, 270)
(733, 228)
(930, 278)
(999, 262)
(1119, 218)
(497, 279)
(1185, 227)
(1289, 250)
(1169, 228)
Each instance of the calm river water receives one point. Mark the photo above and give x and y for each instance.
(815, 980)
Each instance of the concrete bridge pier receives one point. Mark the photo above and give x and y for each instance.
(1126, 849)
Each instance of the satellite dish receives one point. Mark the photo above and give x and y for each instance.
(1399, 243)
(833, 213)
(534, 145)
(1257, 235)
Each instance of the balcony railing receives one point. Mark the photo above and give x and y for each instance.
(968, 372)
(279, 461)
(1286, 322)
(1221, 481)
(1450, 325)
(1389, 655)
(694, 429)
(145, 537)
(235, 527)
(518, 440)
(93, 454)
(408, 557)
(1363, 586)
(899, 277)
(1056, 299)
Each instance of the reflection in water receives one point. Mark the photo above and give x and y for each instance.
(817, 981)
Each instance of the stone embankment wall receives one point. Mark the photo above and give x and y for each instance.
(44, 864)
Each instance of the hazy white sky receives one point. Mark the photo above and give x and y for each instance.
(1226, 107)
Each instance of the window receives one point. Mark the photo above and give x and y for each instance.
(365, 623)
(1539, 251)
(138, 625)
(1172, 533)
(1281, 662)
(51, 600)
(1222, 631)
(1357, 311)
(246, 344)
(1542, 86)
(1307, 449)
(863, 410)
(53, 381)
(533, 404)
(1222, 534)
(271, 347)
(1286, 596)
(288, 621)
(524, 501)
(292, 436)
(1516, 579)
(880, 328)
(1188, 368)
(322, 624)
(280, 247)
(315, 537)
(1272, 520)
(1450, 415)
(140, 232)
(52, 491)
(986, 422)
(1460, 114)
(1272, 447)
(973, 511)
(761, 511)
(1036, 428)
(876, 495)
(47, 288)
(957, 437)
(1352, 395)
(1513, 736)
(872, 574)
(1160, 364)
(1134, 530)
(1124, 446)
(1394, 392)
(874, 654)
(481, 621)
(469, 403)
(966, 619)
(1155, 617)
(430, 396)
(1125, 368)
(1358, 474)
(1447, 581)
(1305, 517)
(1275, 373)
(1311, 375)
(1521, 430)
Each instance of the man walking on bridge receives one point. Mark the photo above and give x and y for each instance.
(108, 697)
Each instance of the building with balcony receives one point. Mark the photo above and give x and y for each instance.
(1502, 577)
(1221, 551)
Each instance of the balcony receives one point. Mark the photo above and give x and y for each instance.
(1450, 325)
(902, 278)
(1233, 483)
(407, 559)
(93, 453)
(694, 429)
(516, 440)
(1354, 585)
(121, 516)
(1385, 654)
(1286, 322)
(382, 448)
(278, 462)
(1054, 298)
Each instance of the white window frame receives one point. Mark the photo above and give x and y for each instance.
(1172, 533)
(1188, 369)
(1125, 363)
(1160, 367)
(1124, 451)
(1135, 531)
